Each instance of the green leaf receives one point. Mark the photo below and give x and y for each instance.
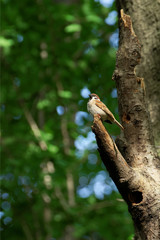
(53, 149)
(131, 237)
(69, 17)
(74, 27)
(93, 18)
(94, 42)
(46, 136)
(65, 94)
(43, 104)
(6, 44)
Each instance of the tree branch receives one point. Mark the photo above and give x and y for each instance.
(61, 198)
(33, 125)
(119, 170)
(66, 146)
(26, 230)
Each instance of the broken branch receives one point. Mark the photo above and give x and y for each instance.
(116, 165)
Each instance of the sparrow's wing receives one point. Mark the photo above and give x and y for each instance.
(102, 106)
(109, 115)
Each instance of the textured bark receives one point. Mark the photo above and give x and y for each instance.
(134, 166)
(145, 17)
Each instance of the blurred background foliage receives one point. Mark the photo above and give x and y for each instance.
(53, 183)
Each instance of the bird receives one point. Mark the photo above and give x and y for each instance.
(96, 106)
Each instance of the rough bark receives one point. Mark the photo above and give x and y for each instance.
(145, 17)
(133, 163)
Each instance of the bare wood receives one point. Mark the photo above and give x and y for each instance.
(109, 152)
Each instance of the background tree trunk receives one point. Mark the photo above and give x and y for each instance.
(145, 17)
(135, 166)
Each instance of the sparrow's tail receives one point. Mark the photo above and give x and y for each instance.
(118, 124)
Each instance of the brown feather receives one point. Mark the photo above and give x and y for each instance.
(102, 106)
(95, 95)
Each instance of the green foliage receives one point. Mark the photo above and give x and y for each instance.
(51, 51)
(73, 28)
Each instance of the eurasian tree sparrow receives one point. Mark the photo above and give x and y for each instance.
(95, 106)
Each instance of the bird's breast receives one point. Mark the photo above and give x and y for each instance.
(93, 109)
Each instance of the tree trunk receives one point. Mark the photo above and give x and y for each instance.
(132, 162)
(145, 17)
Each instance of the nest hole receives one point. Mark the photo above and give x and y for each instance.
(126, 118)
(135, 197)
